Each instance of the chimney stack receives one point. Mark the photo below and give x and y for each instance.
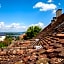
(54, 18)
(52, 21)
(58, 12)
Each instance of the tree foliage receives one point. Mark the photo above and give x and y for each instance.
(2, 44)
(32, 31)
(7, 41)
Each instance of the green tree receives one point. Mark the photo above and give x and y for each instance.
(8, 40)
(2, 44)
(32, 31)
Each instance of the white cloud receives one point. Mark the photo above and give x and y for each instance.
(1, 24)
(49, 0)
(12, 27)
(17, 27)
(38, 24)
(54, 11)
(44, 6)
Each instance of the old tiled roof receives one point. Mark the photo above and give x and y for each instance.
(50, 38)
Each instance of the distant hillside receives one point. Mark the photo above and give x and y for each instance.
(12, 33)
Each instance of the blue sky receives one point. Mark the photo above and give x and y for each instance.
(18, 15)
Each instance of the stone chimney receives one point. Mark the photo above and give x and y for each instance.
(58, 12)
(52, 21)
(54, 18)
